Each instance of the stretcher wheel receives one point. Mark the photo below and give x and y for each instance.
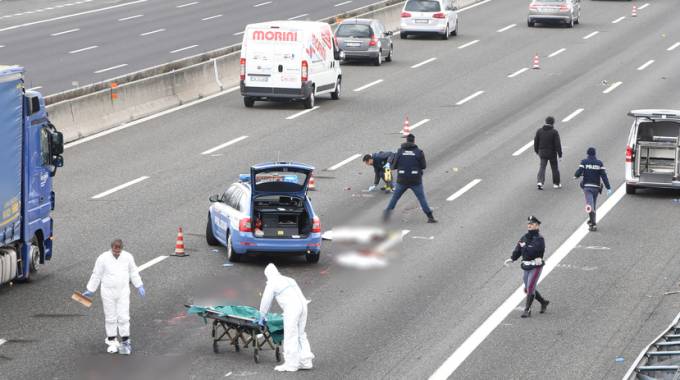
(256, 355)
(237, 348)
(278, 354)
(216, 349)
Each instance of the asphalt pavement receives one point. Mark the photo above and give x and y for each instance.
(476, 110)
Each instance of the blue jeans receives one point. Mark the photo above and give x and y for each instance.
(591, 194)
(400, 189)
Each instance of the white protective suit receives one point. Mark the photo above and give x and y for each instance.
(296, 350)
(115, 276)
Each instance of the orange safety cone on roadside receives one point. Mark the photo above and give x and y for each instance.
(312, 182)
(406, 130)
(633, 13)
(114, 87)
(536, 63)
(179, 244)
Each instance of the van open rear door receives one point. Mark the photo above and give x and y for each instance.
(657, 147)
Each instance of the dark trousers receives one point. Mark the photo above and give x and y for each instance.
(400, 189)
(553, 166)
(591, 194)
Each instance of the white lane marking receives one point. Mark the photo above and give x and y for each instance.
(120, 187)
(416, 125)
(343, 3)
(572, 115)
(187, 4)
(239, 33)
(618, 20)
(83, 49)
(299, 16)
(151, 262)
(473, 5)
(261, 4)
(522, 149)
(2, 46)
(643, 6)
(110, 68)
(152, 32)
(556, 52)
(645, 65)
(591, 34)
(293, 116)
(498, 316)
(468, 44)
(425, 62)
(501, 30)
(35, 88)
(516, 73)
(3, 341)
(64, 32)
(612, 87)
(150, 117)
(182, 49)
(343, 162)
(672, 47)
(368, 85)
(464, 189)
(226, 144)
(130, 17)
(72, 15)
(211, 17)
(463, 101)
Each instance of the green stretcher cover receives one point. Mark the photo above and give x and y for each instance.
(274, 320)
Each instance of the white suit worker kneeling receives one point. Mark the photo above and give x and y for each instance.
(296, 351)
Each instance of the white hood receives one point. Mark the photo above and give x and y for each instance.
(271, 272)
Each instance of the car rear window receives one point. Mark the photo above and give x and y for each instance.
(280, 181)
(422, 6)
(354, 30)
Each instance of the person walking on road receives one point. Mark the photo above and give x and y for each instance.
(548, 147)
(530, 248)
(381, 163)
(114, 270)
(409, 162)
(594, 174)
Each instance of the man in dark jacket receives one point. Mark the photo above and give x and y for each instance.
(409, 162)
(381, 163)
(530, 248)
(548, 147)
(594, 173)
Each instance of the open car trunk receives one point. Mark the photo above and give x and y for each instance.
(281, 217)
(657, 152)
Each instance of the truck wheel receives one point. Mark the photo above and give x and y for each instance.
(313, 258)
(630, 189)
(231, 255)
(309, 102)
(35, 257)
(248, 101)
(335, 95)
(209, 236)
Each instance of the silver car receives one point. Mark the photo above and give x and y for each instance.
(554, 11)
(364, 39)
(429, 17)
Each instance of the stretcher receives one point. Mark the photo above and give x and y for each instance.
(238, 326)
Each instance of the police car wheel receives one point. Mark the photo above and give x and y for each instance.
(313, 258)
(209, 236)
(231, 255)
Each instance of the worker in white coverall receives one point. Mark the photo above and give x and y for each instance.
(296, 351)
(114, 270)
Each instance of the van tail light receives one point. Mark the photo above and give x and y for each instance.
(373, 41)
(564, 8)
(533, 7)
(405, 15)
(629, 154)
(316, 225)
(242, 62)
(305, 71)
(244, 225)
(439, 15)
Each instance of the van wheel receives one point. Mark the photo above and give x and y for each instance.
(248, 101)
(630, 189)
(309, 102)
(335, 95)
(209, 236)
(403, 35)
(313, 258)
(231, 255)
(389, 56)
(530, 23)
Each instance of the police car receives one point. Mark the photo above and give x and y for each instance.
(266, 212)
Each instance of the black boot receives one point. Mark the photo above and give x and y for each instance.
(527, 308)
(430, 217)
(591, 221)
(544, 303)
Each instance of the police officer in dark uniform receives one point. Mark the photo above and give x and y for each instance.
(530, 248)
(409, 162)
(382, 164)
(594, 174)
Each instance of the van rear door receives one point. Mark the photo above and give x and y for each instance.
(656, 149)
(273, 57)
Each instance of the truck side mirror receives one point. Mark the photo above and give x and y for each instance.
(214, 198)
(56, 143)
(35, 105)
(58, 161)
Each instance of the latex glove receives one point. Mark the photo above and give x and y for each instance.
(387, 166)
(609, 192)
(371, 188)
(141, 291)
(507, 262)
(262, 322)
(87, 294)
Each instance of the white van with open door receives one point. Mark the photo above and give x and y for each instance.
(289, 61)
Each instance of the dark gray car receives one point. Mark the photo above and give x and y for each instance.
(365, 39)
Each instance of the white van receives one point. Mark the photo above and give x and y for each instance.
(289, 61)
(653, 151)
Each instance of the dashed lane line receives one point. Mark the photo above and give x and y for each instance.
(618, 20)
(344, 162)
(593, 34)
(65, 32)
(645, 65)
(120, 187)
(418, 124)
(152, 32)
(425, 62)
(643, 6)
(343, 3)
(468, 44)
(111, 68)
(130, 17)
(187, 4)
(211, 17)
(464, 189)
(182, 49)
(612, 87)
(299, 16)
(516, 73)
(467, 99)
(368, 85)
(673, 47)
(501, 30)
(83, 49)
(261, 4)
(222, 146)
(572, 115)
(293, 116)
(149, 263)
(522, 149)
(557, 52)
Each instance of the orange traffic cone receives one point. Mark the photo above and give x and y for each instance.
(535, 63)
(406, 130)
(179, 245)
(312, 182)
(634, 12)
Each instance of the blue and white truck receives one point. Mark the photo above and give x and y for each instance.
(30, 153)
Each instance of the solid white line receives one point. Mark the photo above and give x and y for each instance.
(187, 4)
(299, 16)
(516, 73)
(612, 87)
(343, 3)
(486, 328)
(618, 20)
(522, 149)
(130, 17)
(120, 187)
(151, 262)
(672, 47)
(343, 162)
(152, 32)
(645, 65)
(425, 62)
(591, 35)
(464, 189)
(643, 6)
(150, 117)
(556, 52)
(211, 17)
(368, 85)
(83, 49)
(463, 101)
(572, 115)
(501, 30)
(468, 44)
(72, 15)
(226, 144)
(182, 49)
(110, 68)
(35, 88)
(473, 6)
(64, 32)
(239, 33)
(293, 116)
(261, 4)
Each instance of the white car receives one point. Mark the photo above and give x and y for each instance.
(429, 17)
